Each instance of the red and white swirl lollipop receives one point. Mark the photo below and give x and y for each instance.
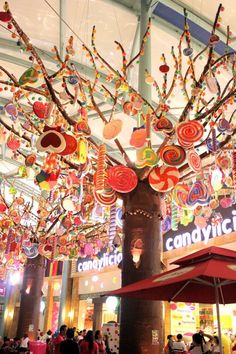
(194, 161)
(164, 178)
(172, 155)
(105, 200)
(122, 179)
(189, 132)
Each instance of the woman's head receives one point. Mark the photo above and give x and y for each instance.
(89, 336)
(98, 334)
(197, 338)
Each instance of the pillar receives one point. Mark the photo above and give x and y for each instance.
(141, 329)
(49, 307)
(75, 301)
(31, 294)
(97, 313)
(64, 292)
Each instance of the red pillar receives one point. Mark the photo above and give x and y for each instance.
(141, 321)
(31, 294)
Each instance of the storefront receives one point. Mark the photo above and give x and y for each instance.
(186, 318)
(91, 279)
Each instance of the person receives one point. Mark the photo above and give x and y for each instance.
(80, 336)
(88, 345)
(15, 346)
(69, 346)
(60, 338)
(169, 346)
(179, 346)
(5, 346)
(216, 345)
(100, 342)
(24, 343)
(199, 346)
(48, 346)
(106, 341)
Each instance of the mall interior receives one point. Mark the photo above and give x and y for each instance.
(117, 159)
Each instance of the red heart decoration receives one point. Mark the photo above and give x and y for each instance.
(41, 109)
(71, 145)
(51, 139)
(5, 16)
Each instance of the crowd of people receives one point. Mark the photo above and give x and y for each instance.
(68, 340)
(201, 343)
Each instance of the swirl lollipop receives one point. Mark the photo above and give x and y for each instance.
(189, 132)
(172, 155)
(180, 194)
(164, 178)
(101, 164)
(122, 179)
(194, 161)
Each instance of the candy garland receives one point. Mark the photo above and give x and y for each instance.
(101, 165)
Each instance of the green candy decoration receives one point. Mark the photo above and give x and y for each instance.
(30, 76)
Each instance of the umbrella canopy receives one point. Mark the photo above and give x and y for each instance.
(207, 276)
(194, 280)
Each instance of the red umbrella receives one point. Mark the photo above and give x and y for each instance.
(207, 276)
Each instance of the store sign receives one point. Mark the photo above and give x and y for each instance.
(191, 234)
(107, 260)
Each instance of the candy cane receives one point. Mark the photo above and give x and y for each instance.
(112, 224)
(174, 218)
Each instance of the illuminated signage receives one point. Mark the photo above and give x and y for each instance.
(191, 234)
(2, 290)
(107, 260)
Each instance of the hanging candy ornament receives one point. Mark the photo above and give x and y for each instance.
(164, 178)
(198, 194)
(51, 140)
(112, 223)
(233, 157)
(105, 200)
(43, 110)
(164, 68)
(119, 220)
(214, 39)
(50, 163)
(146, 157)
(194, 161)
(112, 129)
(101, 165)
(138, 137)
(216, 179)
(82, 151)
(188, 52)
(223, 125)
(189, 132)
(30, 76)
(172, 155)
(212, 85)
(180, 194)
(13, 142)
(226, 202)
(200, 221)
(71, 145)
(5, 16)
(223, 162)
(163, 125)
(31, 251)
(166, 224)
(30, 160)
(11, 110)
(122, 179)
(174, 217)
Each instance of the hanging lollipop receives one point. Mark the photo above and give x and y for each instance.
(12, 111)
(194, 161)
(164, 178)
(189, 132)
(30, 76)
(112, 129)
(172, 155)
(146, 156)
(122, 179)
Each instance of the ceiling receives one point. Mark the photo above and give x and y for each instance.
(54, 21)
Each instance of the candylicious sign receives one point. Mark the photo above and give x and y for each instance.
(223, 223)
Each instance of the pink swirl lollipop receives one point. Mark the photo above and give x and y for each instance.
(122, 179)
(190, 131)
(172, 155)
(194, 161)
